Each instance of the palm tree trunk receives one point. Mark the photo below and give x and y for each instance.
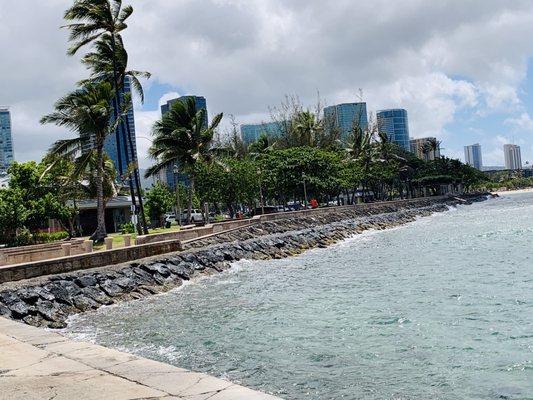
(100, 232)
(191, 194)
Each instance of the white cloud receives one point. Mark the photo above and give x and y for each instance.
(435, 59)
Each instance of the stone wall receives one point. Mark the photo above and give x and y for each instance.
(48, 301)
(18, 272)
(25, 254)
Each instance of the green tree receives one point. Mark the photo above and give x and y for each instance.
(181, 138)
(159, 200)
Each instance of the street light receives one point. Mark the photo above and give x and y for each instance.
(261, 199)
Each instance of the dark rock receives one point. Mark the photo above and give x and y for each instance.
(159, 279)
(183, 270)
(4, 311)
(84, 303)
(44, 294)
(19, 309)
(97, 295)
(143, 277)
(111, 289)
(158, 268)
(34, 320)
(125, 283)
(28, 295)
(8, 298)
(59, 292)
(49, 310)
(86, 281)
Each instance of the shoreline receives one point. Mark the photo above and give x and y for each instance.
(511, 192)
(49, 301)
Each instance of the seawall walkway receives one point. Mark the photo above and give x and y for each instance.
(36, 364)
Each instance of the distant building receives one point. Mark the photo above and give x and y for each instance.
(418, 148)
(6, 140)
(251, 132)
(345, 116)
(395, 124)
(513, 158)
(171, 175)
(127, 138)
(473, 156)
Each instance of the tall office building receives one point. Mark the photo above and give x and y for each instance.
(6, 140)
(345, 117)
(473, 156)
(127, 140)
(395, 124)
(419, 147)
(169, 176)
(513, 158)
(251, 132)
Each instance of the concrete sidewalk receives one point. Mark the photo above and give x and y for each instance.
(37, 364)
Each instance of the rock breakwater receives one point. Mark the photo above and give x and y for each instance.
(48, 301)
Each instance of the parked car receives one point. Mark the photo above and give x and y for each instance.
(196, 216)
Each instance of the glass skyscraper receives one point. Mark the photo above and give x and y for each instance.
(168, 175)
(110, 144)
(6, 140)
(345, 116)
(251, 132)
(473, 156)
(395, 124)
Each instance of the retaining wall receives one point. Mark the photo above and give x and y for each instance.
(85, 261)
(19, 255)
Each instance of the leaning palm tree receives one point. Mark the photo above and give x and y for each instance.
(182, 138)
(87, 112)
(101, 22)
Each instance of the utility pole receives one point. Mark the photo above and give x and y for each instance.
(305, 189)
(261, 199)
(175, 170)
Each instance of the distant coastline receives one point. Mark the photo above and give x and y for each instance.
(516, 191)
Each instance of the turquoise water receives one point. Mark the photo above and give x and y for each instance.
(441, 308)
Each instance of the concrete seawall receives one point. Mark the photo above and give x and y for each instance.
(48, 301)
(38, 364)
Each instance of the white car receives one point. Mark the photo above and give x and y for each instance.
(196, 216)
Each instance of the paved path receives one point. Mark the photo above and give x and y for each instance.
(36, 364)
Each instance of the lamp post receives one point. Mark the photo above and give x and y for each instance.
(175, 170)
(305, 189)
(261, 199)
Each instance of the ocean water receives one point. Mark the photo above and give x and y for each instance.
(441, 308)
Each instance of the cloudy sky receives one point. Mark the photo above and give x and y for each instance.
(462, 69)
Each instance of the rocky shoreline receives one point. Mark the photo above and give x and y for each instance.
(49, 301)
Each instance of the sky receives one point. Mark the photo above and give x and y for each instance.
(462, 69)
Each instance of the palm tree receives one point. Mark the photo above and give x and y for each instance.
(182, 138)
(102, 61)
(102, 21)
(306, 129)
(358, 148)
(434, 146)
(87, 112)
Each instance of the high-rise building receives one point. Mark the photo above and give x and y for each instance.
(420, 147)
(171, 175)
(473, 156)
(251, 132)
(345, 117)
(395, 124)
(127, 140)
(513, 158)
(6, 140)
